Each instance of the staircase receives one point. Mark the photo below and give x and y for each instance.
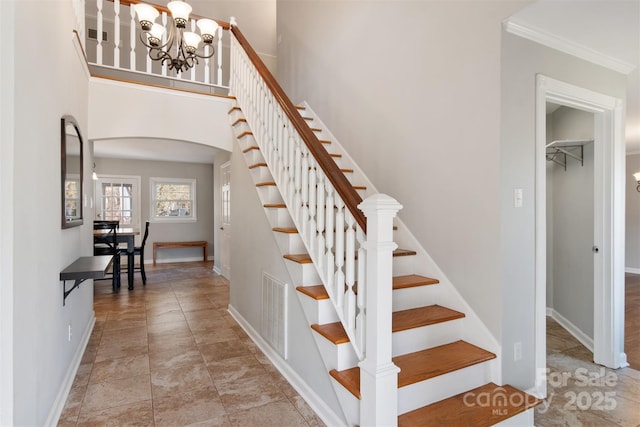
(443, 378)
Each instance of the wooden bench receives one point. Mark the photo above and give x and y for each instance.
(168, 245)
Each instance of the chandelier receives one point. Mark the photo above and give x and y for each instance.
(185, 55)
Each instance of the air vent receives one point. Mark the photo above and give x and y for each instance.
(93, 35)
(274, 313)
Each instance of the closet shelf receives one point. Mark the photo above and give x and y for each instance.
(559, 150)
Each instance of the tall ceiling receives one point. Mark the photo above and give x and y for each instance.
(609, 28)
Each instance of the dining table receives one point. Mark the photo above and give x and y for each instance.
(125, 235)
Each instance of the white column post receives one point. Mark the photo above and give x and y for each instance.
(378, 374)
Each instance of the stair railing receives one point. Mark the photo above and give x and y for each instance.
(346, 246)
(110, 54)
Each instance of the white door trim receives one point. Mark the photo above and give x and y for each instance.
(609, 169)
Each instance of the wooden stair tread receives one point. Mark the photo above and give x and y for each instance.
(411, 280)
(317, 292)
(274, 205)
(258, 165)
(253, 147)
(240, 120)
(287, 230)
(324, 141)
(299, 258)
(301, 107)
(308, 118)
(403, 252)
(422, 316)
(306, 259)
(360, 187)
(334, 332)
(423, 365)
(336, 155)
(232, 109)
(435, 361)
(245, 133)
(457, 411)
(316, 129)
(266, 184)
(347, 170)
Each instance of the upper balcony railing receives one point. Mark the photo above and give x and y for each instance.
(113, 48)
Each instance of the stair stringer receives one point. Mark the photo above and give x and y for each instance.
(446, 294)
(300, 274)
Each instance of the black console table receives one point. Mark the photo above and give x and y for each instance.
(86, 267)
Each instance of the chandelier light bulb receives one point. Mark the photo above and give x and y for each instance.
(180, 12)
(208, 28)
(146, 15)
(155, 34)
(191, 41)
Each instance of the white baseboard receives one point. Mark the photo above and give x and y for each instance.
(572, 329)
(303, 389)
(632, 270)
(217, 270)
(63, 394)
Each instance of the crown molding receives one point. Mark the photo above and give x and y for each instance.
(569, 47)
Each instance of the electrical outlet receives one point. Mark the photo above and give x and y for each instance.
(517, 351)
(70, 333)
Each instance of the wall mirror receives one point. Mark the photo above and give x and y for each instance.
(71, 155)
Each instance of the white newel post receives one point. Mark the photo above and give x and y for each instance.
(378, 374)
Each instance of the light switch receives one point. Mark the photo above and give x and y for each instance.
(517, 197)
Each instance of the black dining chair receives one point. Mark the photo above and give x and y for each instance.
(106, 243)
(139, 250)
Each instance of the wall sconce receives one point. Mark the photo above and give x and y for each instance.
(94, 175)
(636, 176)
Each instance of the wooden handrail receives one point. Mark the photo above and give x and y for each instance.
(223, 24)
(339, 181)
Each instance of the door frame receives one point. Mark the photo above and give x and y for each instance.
(224, 270)
(609, 221)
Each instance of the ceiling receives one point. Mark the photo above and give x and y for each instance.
(154, 149)
(610, 28)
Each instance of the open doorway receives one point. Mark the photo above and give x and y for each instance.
(608, 221)
(570, 201)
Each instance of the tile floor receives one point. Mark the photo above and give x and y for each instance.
(581, 393)
(169, 354)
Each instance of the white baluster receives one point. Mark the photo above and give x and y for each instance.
(312, 208)
(164, 40)
(330, 234)
(193, 69)
(116, 33)
(132, 38)
(362, 289)
(339, 260)
(297, 173)
(99, 35)
(378, 374)
(322, 260)
(207, 70)
(304, 213)
(350, 255)
(219, 80)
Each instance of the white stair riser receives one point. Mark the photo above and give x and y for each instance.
(260, 174)
(349, 403)
(253, 156)
(269, 194)
(289, 243)
(417, 339)
(424, 393)
(417, 296)
(403, 265)
(302, 274)
(335, 356)
(318, 311)
(279, 217)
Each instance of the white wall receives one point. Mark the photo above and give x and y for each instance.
(202, 229)
(411, 89)
(42, 358)
(157, 113)
(632, 238)
(570, 223)
(255, 252)
(521, 61)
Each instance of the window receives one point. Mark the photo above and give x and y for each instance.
(173, 199)
(118, 199)
(72, 196)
